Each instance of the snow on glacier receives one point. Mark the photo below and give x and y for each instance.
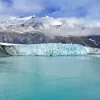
(50, 49)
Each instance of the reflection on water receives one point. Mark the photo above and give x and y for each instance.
(50, 78)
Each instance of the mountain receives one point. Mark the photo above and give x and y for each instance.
(37, 30)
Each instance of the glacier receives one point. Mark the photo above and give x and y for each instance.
(49, 49)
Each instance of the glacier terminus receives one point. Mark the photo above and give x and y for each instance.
(49, 49)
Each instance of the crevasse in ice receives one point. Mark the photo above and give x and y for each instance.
(50, 49)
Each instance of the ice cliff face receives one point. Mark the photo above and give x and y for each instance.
(50, 49)
(56, 49)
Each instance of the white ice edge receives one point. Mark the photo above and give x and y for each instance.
(49, 49)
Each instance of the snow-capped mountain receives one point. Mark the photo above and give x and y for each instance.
(36, 30)
(30, 23)
(52, 26)
(45, 20)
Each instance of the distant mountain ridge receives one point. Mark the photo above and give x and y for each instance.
(35, 30)
(39, 38)
(52, 26)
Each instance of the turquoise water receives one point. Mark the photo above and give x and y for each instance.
(50, 78)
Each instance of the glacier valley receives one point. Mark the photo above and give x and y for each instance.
(49, 49)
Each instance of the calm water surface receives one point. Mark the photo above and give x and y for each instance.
(50, 78)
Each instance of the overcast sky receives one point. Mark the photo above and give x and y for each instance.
(55, 8)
